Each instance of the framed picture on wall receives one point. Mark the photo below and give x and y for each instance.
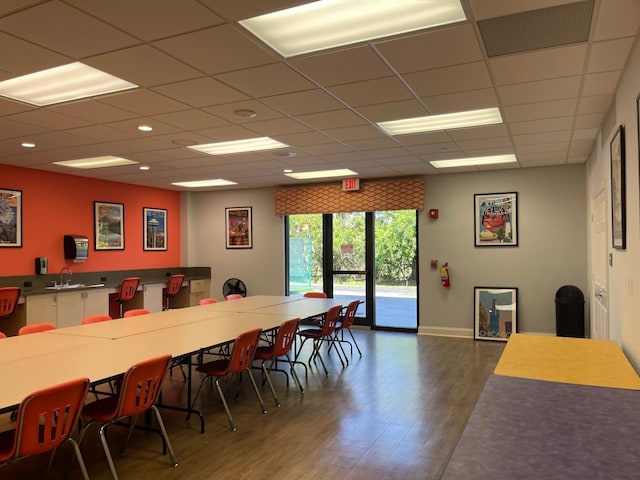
(618, 190)
(154, 229)
(496, 219)
(10, 218)
(109, 225)
(495, 312)
(238, 227)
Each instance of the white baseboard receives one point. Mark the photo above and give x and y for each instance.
(446, 332)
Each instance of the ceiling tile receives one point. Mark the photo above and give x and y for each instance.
(462, 101)
(248, 8)
(474, 133)
(459, 78)
(277, 126)
(371, 92)
(48, 119)
(333, 119)
(484, 9)
(191, 119)
(616, 19)
(266, 81)
(89, 110)
(26, 57)
(538, 126)
(201, 92)
(609, 55)
(438, 48)
(228, 111)
(540, 91)
(354, 133)
(142, 102)
(602, 83)
(207, 50)
(299, 103)
(595, 104)
(393, 110)
(536, 111)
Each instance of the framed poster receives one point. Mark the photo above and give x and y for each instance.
(154, 229)
(10, 218)
(109, 225)
(618, 190)
(495, 312)
(238, 227)
(496, 219)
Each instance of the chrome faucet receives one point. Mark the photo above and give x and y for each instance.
(62, 271)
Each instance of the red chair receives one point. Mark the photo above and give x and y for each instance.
(138, 392)
(128, 289)
(280, 348)
(2, 335)
(207, 301)
(136, 312)
(314, 320)
(241, 357)
(45, 419)
(233, 296)
(173, 287)
(95, 319)
(9, 297)
(36, 328)
(320, 335)
(345, 323)
(315, 295)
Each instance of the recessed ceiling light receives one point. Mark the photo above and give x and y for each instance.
(61, 84)
(470, 162)
(245, 113)
(239, 146)
(145, 128)
(332, 23)
(96, 162)
(447, 121)
(28, 144)
(321, 174)
(145, 167)
(219, 182)
(287, 170)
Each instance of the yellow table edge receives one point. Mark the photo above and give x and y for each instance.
(581, 361)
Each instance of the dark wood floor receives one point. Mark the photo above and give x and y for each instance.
(395, 413)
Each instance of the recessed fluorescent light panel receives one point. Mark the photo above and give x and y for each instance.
(447, 121)
(475, 161)
(321, 174)
(96, 162)
(332, 23)
(204, 183)
(238, 146)
(61, 84)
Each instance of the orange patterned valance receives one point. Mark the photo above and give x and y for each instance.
(373, 196)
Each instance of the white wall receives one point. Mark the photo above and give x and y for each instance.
(261, 267)
(551, 251)
(624, 276)
(551, 247)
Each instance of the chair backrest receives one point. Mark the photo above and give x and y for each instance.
(350, 314)
(175, 284)
(35, 328)
(141, 385)
(207, 301)
(135, 312)
(330, 320)
(47, 417)
(315, 295)
(244, 348)
(233, 296)
(2, 335)
(285, 337)
(128, 288)
(8, 300)
(95, 319)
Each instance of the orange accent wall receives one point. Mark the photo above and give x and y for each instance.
(55, 204)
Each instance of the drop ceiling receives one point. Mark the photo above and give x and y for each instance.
(551, 66)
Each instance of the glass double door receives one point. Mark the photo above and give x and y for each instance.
(370, 256)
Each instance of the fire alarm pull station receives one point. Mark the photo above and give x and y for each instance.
(433, 213)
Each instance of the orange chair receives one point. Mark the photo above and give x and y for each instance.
(45, 419)
(136, 312)
(9, 297)
(173, 287)
(314, 320)
(241, 357)
(137, 394)
(280, 348)
(95, 319)
(207, 301)
(35, 328)
(128, 289)
(322, 334)
(233, 296)
(2, 335)
(345, 323)
(315, 295)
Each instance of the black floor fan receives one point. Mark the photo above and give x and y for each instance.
(234, 285)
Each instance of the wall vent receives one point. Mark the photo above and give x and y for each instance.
(535, 29)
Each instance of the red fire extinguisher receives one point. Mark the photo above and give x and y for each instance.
(444, 275)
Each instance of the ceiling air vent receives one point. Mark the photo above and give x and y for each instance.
(536, 29)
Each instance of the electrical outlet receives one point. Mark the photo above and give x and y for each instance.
(27, 284)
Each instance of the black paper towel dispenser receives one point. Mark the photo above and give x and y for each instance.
(76, 247)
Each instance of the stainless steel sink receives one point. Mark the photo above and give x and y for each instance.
(70, 286)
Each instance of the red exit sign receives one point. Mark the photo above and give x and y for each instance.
(351, 184)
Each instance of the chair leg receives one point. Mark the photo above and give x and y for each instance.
(105, 447)
(354, 341)
(226, 407)
(268, 378)
(132, 424)
(78, 455)
(165, 437)
(316, 353)
(295, 375)
(255, 388)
